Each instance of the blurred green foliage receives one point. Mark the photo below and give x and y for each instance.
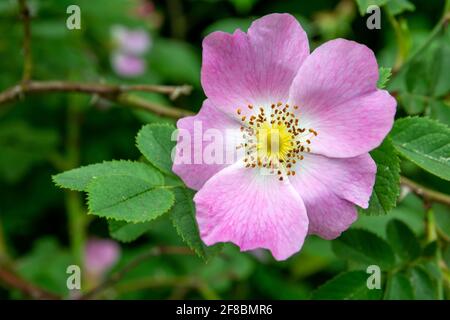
(43, 135)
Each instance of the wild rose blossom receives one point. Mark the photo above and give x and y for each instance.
(131, 41)
(100, 256)
(306, 122)
(130, 46)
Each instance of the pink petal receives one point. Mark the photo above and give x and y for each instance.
(336, 91)
(242, 206)
(195, 169)
(330, 188)
(254, 68)
(354, 127)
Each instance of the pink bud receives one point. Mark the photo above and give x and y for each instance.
(100, 255)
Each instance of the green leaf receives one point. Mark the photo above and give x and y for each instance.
(128, 198)
(45, 265)
(79, 179)
(384, 77)
(440, 111)
(266, 278)
(364, 4)
(243, 6)
(423, 284)
(182, 215)
(176, 61)
(430, 250)
(364, 248)
(396, 7)
(127, 232)
(350, 285)
(425, 142)
(442, 216)
(403, 240)
(399, 288)
(156, 144)
(387, 182)
(441, 65)
(22, 146)
(228, 25)
(413, 103)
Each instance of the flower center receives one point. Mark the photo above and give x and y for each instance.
(273, 138)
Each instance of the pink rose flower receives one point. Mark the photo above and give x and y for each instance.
(100, 256)
(326, 114)
(128, 65)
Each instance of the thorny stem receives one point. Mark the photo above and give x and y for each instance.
(431, 235)
(4, 256)
(117, 93)
(427, 194)
(74, 203)
(177, 18)
(11, 279)
(28, 59)
(402, 37)
(442, 24)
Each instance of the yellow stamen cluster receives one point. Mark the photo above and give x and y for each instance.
(273, 138)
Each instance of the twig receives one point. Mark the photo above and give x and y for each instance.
(402, 40)
(427, 194)
(165, 111)
(28, 59)
(4, 256)
(118, 93)
(13, 280)
(116, 277)
(442, 24)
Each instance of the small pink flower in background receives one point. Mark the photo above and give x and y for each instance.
(135, 42)
(100, 256)
(326, 114)
(128, 65)
(128, 59)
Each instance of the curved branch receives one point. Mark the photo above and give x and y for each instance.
(13, 280)
(425, 193)
(118, 93)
